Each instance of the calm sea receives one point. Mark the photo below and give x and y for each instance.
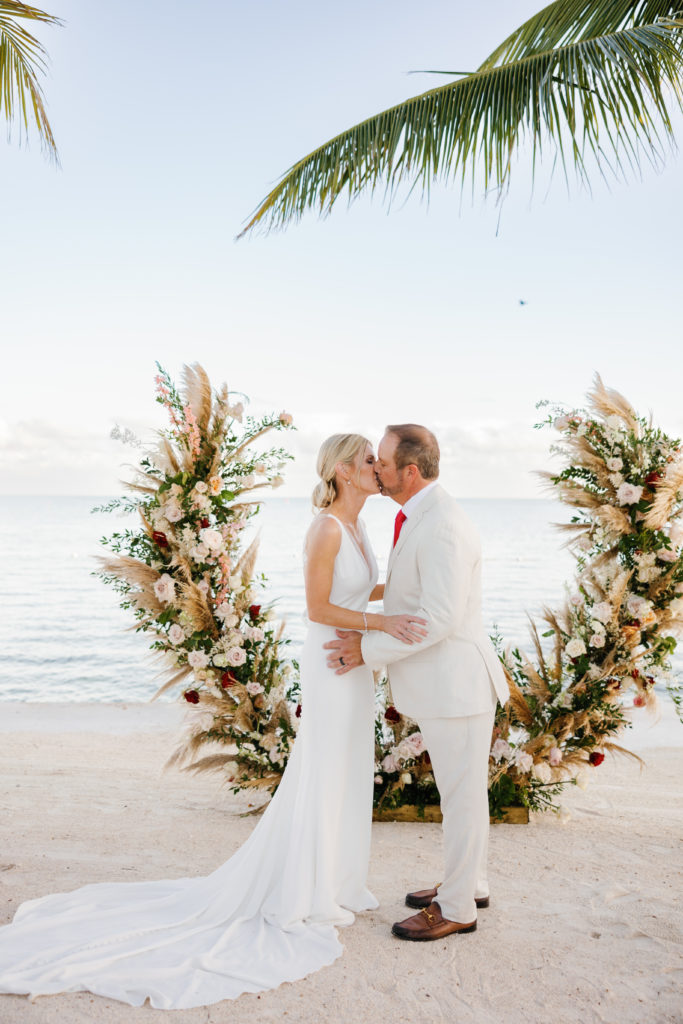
(64, 638)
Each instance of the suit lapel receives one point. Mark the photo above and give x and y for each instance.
(412, 523)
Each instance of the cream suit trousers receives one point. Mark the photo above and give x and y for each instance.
(459, 751)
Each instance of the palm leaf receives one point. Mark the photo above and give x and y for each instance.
(567, 21)
(605, 95)
(22, 58)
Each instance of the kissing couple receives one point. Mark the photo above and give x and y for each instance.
(270, 913)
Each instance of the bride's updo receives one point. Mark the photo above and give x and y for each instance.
(338, 448)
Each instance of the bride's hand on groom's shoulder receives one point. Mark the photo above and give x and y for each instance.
(408, 628)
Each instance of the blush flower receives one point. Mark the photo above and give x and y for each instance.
(286, 418)
(614, 464)
(390, 764)
(253, 688)
(197, 659)
(176, 634)
(164, 588)
(215, 485)
(555, 756)
(629, 494)
(236, 656)
(501, 749)
(211, 539)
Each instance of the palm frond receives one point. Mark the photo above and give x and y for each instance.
(22, 58)
(605, 95)
(567, 21)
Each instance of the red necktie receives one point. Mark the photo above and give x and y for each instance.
(398, 523)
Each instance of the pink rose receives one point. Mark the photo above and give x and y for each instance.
(253, 688)
(286, 418)
(236, 656)
(555, 756)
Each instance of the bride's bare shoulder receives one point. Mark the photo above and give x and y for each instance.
(324, 533)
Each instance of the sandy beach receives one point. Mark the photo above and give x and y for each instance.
(584, 924)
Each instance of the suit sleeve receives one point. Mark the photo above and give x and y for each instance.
(445, 562)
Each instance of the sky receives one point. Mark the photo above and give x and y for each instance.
(173, 121)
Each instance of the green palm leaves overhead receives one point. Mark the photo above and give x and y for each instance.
(587, 78)
(22, 58)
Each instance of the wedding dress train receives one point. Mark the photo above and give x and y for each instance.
(269, 914)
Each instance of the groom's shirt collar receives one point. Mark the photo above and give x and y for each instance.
(412, 503)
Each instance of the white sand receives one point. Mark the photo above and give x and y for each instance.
(583, 927)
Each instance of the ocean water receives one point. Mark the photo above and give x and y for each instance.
(64, 638)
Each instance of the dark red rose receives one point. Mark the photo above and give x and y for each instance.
(596, 758)
(160, 539)
(652, 478)
(191, 696)
(297, 713)
(254, 611)
(228, 679)
(635, 674)
(204, 523)
(391, 714)
(649, 681)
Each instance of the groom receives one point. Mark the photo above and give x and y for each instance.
(449, 682)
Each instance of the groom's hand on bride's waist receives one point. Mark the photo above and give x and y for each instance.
(344, 653)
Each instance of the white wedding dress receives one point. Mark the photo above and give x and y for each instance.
(267, 915)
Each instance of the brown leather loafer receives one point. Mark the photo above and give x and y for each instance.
(429, 925)
(423, 897)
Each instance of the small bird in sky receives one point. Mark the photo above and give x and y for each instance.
(522, 302)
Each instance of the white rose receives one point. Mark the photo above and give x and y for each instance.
(542, 772)
(390, 764)
(197, 659)
(220, 660)
(378, 780)
(201, 487)
(256, 634)
(616, 480)
(676, 534)
(176, 634)
(212, 539)
(667, 555)
(561, 422)
(613, 422)
(253, 688)
(602, 611)
(629, 494)
(164, 588)
(597, 640)
(575, 648)
(406, 778)
(614, 464)
(277, 481)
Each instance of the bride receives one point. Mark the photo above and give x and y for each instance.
(267, 915)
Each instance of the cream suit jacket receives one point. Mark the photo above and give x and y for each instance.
(435, 572)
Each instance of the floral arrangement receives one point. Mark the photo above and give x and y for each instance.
(610, 643)
(191, 586)
(189, 581)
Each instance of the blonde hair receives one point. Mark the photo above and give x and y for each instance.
(338, 448)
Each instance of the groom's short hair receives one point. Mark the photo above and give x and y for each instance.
(416, 446)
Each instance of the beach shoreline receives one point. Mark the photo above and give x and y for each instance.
(583, 925)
